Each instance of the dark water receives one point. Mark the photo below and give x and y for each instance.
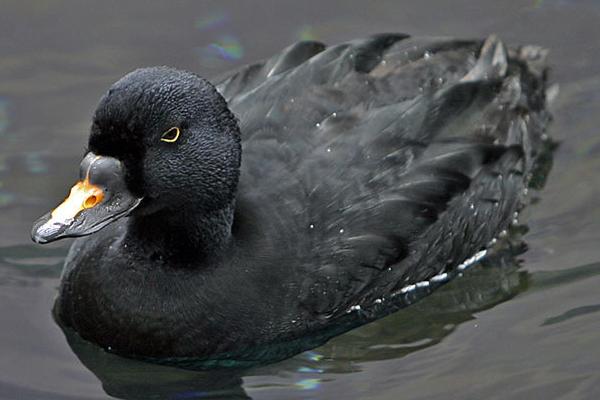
(519, 326)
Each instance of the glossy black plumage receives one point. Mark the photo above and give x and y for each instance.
(366, 167)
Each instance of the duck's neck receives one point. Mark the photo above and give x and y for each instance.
(183, 234)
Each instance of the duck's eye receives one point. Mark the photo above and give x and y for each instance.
(171, 135)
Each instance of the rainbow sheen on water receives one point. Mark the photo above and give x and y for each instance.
(313, 356)
(212, 21)
(225, 50)
(308, 384)
(307, 32)
(216, 54)
(228, 48)
(310, 370)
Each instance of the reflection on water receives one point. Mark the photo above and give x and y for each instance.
(225, 47)
(130, 379)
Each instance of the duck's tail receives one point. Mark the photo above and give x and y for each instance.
(524, 95)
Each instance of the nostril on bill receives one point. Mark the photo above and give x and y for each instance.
(90, 202)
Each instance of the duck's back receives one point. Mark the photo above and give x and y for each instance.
(387, 161)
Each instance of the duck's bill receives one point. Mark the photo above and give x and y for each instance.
(99, 198)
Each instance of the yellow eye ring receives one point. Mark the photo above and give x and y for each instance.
(171, 135)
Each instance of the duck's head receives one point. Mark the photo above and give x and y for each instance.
(161, 139)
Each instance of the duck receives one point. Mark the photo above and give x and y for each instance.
(296, 198)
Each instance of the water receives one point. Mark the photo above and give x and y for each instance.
(522, 326)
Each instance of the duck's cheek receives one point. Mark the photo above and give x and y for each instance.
(100, 198)
(165, 181)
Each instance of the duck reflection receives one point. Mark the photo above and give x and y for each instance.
(131, 379)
